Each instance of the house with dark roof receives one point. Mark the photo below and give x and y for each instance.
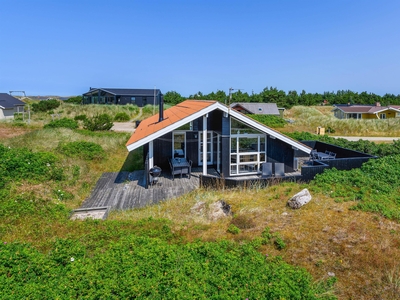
(214, 137)
(256, 108)
(139, 97)
(10, 105)
(356, 111)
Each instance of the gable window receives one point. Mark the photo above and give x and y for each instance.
(382, 116)
(247, 149)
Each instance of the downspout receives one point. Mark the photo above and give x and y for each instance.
(205, 144)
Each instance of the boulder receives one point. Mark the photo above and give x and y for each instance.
(219, 210)
(198, 208)
(300, 199)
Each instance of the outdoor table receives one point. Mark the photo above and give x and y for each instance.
(322, 155)
(180, 166)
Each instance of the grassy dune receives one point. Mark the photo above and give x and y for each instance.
(326, 237)
(309, 118)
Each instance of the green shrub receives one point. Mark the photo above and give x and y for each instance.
(150, 268)
(82, 149)
(269, 120)
(62, 123)
(266, 236)
(121, 117)
(80, 118)
(98, 123)
(18, 123)
(233, 229)
(45, 105)
(74, 100)
(279, 242)
(18, 164)
(374, 186)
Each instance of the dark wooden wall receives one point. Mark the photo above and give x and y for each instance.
(279, 151)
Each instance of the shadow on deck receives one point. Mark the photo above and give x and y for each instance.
(126, 190)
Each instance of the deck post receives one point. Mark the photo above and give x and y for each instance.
(205, 145)
(151, 155)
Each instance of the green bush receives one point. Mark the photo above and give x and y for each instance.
(150, 268)
(62, 123)
(18, 164)
(233, 229)
(82, 149)
(374, 186)
(98, 123)
(121, 117)
(279, 242)
(269, 120)
(74, 100)
(80, 118)
(266, 236)
(45, 105)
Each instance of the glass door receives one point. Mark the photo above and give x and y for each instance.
(209, 148)
(178, 144)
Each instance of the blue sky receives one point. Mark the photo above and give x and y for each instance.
(65, 47)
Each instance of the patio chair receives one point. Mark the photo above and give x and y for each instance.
(187, 169)
(279, 170)
(314, 155)
(173, 171)
(266, 170)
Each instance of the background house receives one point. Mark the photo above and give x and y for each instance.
(10, 105)
(349, 111)
(139, 97)
(256, 108)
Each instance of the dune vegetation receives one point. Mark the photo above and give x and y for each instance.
(344, 244)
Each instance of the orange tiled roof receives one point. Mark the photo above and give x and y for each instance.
(172, 115)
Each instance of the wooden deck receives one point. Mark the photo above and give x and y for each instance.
(126, 190)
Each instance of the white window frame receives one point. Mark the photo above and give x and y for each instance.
(257, 163)
(173, 141)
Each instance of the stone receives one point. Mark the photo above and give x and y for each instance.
(300, 199)
(198, 208)
(219, 210)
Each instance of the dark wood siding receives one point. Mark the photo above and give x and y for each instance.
(278, 151)
(192, 146)
(163, 150)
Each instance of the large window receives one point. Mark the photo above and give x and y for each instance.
(247, 149)
(354, 116)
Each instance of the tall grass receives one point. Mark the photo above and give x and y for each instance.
(308, 118)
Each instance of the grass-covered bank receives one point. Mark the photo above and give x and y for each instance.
(137, 266)
(331, 247)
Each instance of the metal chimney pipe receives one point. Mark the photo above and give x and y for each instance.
(161, 108)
